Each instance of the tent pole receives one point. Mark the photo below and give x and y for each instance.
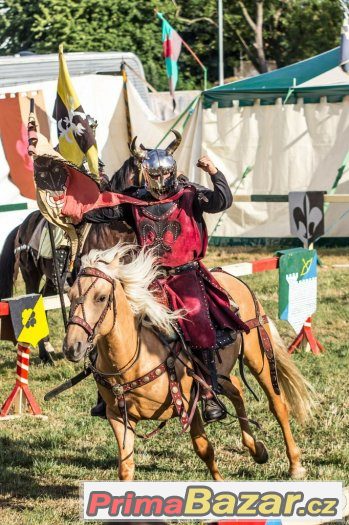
(220, 42)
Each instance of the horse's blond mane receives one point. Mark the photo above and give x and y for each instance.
(136, 270)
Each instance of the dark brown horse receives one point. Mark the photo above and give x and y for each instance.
(18, 251)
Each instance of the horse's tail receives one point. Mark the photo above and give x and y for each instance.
(297, 391)
(7, 265)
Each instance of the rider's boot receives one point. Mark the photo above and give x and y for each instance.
(100, 409)
(212, 408)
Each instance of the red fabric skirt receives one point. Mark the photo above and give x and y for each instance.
(205, 302)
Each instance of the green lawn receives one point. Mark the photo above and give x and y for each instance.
(41, 462)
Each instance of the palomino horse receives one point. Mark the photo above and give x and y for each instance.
(112, 303)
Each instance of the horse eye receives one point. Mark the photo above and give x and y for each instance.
(102, 298)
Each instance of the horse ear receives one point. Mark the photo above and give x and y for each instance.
(114, 264)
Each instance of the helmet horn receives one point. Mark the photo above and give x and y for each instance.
(140, 155)
(171, 148)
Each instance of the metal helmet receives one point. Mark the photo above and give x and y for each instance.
(159, 167)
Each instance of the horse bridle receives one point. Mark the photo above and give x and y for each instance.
(82, 321)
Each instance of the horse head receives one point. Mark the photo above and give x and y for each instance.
(92, 312)
(113, 289)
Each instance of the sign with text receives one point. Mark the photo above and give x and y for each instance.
(164, 500)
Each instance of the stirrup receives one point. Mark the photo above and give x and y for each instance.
(213, 410)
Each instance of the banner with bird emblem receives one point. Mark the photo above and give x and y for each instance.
(75, 135)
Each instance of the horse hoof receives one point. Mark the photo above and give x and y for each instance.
(261, 456)
(298, 473)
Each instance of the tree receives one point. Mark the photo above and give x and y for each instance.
(260, 30)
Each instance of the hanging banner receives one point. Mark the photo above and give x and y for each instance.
(307, 215)
(28, 318)
(297, 286)
(14, 112)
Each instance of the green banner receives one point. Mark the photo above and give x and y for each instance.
(297, 285)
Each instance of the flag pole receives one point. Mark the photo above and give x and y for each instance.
(194, 55)
(127, 107)
(32, 142)
(220, 42)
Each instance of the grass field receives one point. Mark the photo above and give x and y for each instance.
(41, 462)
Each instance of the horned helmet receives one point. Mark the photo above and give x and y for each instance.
(159, 168)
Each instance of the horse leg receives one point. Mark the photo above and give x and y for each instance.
(126, 464)
(257, 362)
(234, 393)
(45, 351)
(202, 446)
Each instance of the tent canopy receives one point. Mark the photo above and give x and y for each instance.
(310, 80)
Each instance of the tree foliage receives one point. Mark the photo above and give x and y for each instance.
(291, 30)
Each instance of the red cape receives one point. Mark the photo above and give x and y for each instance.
(83, 195)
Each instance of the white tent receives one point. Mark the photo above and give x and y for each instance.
(290, 127)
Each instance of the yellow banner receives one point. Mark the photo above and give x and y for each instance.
(76, 139)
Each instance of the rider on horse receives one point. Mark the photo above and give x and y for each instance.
(171, 223)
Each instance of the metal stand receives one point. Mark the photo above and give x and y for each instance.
(306, 337)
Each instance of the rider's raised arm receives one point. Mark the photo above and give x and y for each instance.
(218, 199)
